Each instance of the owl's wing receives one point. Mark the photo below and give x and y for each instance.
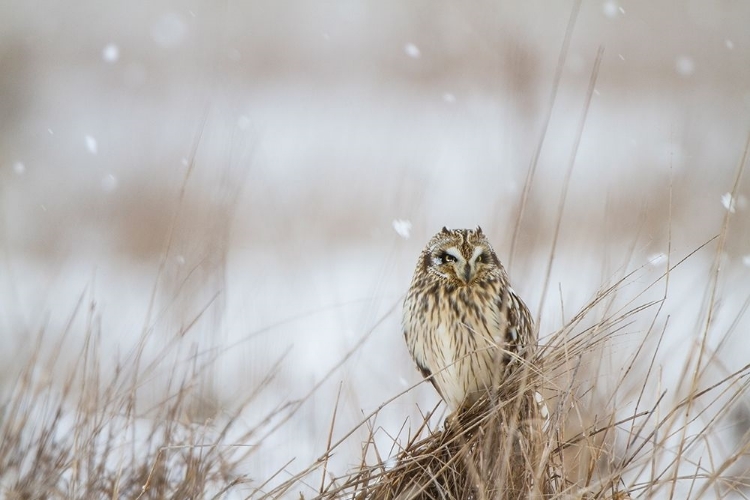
(421, 364)
(426, 373)
(518, 324)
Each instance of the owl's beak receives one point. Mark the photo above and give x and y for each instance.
(466, 274)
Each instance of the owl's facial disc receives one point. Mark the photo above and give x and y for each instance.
(451, 261)
(476, 262)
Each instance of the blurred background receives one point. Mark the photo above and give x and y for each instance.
(270, 170)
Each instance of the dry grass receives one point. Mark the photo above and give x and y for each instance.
(616, 431)
(84, 438)
(464, 460)
(496, 450)
(87, 438)
(91, 436)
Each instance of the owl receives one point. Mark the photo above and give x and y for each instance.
(464, 325)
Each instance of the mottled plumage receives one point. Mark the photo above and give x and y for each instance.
(464, 325)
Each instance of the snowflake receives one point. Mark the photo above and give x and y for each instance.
(91, 144)
(111, 53)
(412, 50)
(657, 258)
(728, 201)
(402, 227)
(685, 65)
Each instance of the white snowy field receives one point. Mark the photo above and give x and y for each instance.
(301, 133)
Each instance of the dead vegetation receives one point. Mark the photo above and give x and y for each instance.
(87, 438)
(633, 442)
(90, 436)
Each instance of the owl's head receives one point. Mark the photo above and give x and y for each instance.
(460, 257)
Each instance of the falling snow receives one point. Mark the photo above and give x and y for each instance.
(728, 201)
(610, 9)
(402, 228)
(169, 31)
(412, 50)
(449, 98)
(746, 260)
(111, 53)
(109, 183)
(19, 168)
(657, 259)
(729, 44)
(685, 65)
(91, 145)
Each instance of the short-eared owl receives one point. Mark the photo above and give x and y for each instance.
(464, 325)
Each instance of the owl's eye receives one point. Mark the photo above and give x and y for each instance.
(479, 259)
(446, 257)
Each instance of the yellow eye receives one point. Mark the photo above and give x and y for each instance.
(446, 257)
(479, 259)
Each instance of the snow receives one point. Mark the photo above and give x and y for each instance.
(449, 98)
(169, 31)
(412, 50)
(728, 202)
(111, 53)
(19, 168)
(319, 122)
(402, 228)
(109, 183)
(610, 9)
(91, 144)
(685, 65)
(657, 259)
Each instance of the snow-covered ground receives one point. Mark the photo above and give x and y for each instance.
(316, 129)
